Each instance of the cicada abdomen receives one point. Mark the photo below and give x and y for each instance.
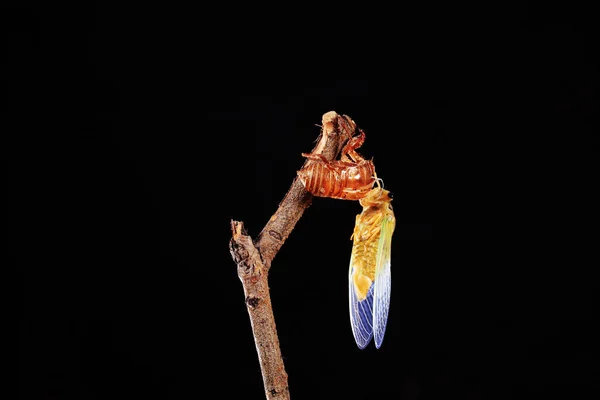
(349, 178)
(370, 275)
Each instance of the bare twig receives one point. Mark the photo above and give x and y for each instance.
(253, 258)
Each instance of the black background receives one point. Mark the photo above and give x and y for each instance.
(138, 133)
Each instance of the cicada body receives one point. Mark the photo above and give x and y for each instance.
(370, 275)
(349, 178)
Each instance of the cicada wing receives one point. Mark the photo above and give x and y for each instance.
(383, 279)
(361, 312)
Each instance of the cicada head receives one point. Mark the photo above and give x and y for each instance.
(376, 197)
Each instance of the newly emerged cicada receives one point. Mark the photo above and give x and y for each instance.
(370, 275)
(349, 178)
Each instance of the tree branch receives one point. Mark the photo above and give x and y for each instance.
(253, 258)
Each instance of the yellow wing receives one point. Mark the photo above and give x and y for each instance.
(383, 279)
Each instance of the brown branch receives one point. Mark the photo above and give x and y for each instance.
(253, 258)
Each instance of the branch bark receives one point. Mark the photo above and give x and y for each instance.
(254, 258)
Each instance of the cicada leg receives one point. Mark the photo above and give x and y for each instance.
(349, 153)
(326, 162)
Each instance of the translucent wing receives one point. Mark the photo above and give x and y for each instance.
(383, 280)
(361, 312)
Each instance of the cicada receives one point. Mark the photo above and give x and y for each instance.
(369, 277)
(349, 178)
